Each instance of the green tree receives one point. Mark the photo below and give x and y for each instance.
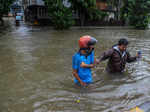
(4, 7)
(138, 13)
(61, 16)
(86, 9)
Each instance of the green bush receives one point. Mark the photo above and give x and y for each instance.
(138, 13)
(87, 9)
(4, 7)
(95, 14)
(61, 16)
(62, 19)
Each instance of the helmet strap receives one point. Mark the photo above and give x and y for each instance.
(87, 51)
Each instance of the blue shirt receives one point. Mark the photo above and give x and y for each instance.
(84, 73)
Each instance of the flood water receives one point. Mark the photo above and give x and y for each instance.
(36, 71)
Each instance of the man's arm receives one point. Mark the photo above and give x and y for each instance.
(105, 55)
(75, 64)
(75, 74)
(131, 59)
(83, 65)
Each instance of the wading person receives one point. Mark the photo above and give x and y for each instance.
(83, 61)
(17, 19)
(117, 57)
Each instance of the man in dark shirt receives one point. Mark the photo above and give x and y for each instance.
(118, 56)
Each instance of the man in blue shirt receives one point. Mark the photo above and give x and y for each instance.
(83, 61)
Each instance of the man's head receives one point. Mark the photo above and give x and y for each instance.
(122, 44)
(86, 43)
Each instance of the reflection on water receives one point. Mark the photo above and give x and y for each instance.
(36, 73)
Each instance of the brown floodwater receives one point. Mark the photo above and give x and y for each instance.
(36, 71)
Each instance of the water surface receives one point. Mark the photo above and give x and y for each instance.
(36, 73)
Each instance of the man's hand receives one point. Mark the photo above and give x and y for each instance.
(82, 83)
(78, 78)
(97, 61)
(87, 65)
(92, 65)
(138, 54)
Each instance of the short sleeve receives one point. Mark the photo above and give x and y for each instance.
(75, 62)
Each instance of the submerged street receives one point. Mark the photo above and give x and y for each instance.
(36, 71)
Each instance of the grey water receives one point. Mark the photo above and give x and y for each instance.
(36, 71)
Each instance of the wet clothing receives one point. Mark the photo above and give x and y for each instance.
(85, 74)
(117, 59)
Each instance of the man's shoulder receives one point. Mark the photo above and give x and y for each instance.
(76, 55)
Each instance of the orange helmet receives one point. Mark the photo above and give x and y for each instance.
(86, 41)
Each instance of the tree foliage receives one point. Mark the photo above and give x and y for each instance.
(137, 13)
(87, 9)
(61, 16)
(5, 6)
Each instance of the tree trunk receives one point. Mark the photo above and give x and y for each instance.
(118, 9)
(82, 19)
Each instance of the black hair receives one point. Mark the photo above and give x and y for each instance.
(123, 41)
